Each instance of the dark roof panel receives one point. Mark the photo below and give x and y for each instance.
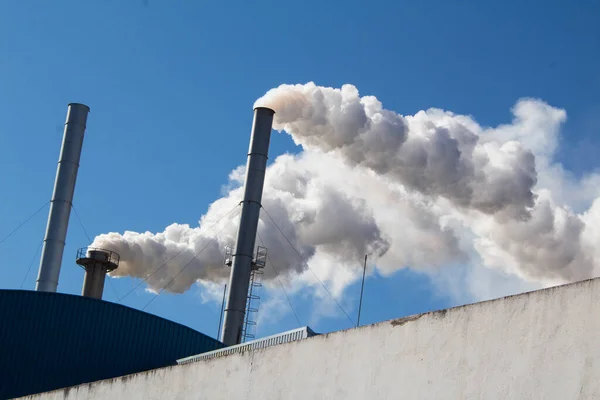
(53, 340)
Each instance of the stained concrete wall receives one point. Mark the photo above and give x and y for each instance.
(539, 345)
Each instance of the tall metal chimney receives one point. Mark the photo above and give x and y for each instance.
(243, 254)
(62, 198)
(96, 263)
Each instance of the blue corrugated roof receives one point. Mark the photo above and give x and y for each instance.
(54, 340)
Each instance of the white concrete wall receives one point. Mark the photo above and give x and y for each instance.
(539, 345)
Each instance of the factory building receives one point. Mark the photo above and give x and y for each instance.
(52, 340)
(537, 345)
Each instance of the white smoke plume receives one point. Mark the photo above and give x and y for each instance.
(433, 153)
(424, 191)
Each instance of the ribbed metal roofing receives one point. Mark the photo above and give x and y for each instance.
(280, 338)
(52, 340)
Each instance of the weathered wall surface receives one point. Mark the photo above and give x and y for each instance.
(539, 345)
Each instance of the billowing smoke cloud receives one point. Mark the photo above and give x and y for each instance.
(436, 155)
(312, 213)
(425, 191)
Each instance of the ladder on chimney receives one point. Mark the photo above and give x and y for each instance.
(253, 298)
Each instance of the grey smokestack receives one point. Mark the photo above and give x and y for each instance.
(244, 247)
(62, 198)
(96, 263)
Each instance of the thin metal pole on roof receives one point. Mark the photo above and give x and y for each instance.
(222, 309)
(362, 289)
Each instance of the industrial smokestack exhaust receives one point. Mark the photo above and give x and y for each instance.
(62, 198)
(96, 263)
(243, 254)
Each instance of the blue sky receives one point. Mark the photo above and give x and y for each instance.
(171, 87)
